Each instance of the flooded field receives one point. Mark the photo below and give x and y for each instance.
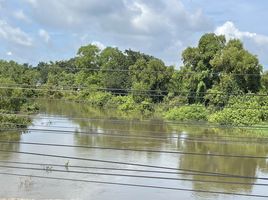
(159, 144)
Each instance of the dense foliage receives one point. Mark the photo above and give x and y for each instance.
(219, 82)
(13, 99)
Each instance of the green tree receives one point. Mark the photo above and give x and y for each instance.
(133, 56)
(114, 70)
(151, 79)
(197, 70)
(264, 82)
(87, 57)
(215, 66)
(237, 62)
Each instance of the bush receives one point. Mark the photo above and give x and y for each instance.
(170, 101)
(146, 106)
(230, 116)
(126, 103)
(12, 121)
(99, 99)
(241, 110)
(193, 112)
(30, 108)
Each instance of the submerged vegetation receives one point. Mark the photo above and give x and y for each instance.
(219, 82)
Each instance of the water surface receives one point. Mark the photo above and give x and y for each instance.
(101, 130)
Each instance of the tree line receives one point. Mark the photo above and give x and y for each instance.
(220, 82)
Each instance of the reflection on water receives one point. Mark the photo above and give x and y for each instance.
(60, 116)
(10, 136)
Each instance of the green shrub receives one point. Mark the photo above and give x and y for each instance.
(126, 103)
(230, 116)
(171, 102)
(241, 110)
(99, 99)
(193, 112)
(30, 107)
(13, 121)
(146, 106)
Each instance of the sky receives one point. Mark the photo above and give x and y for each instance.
(47, 30)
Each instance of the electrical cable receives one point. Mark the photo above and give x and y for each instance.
(179, 134)
(133, 176)
(131, 164)
(145, 122)
(136, 150)
(119, 89)
(136, 185)
(200, 139)
(197, 173)
(156, 71)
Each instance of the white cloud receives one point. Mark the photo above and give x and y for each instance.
(152, 26)
(231, 31)
(256, 43)
(20, 15)
(44, 35)
(9, 53)
(99, 44)
(14, 34)
(121, 16)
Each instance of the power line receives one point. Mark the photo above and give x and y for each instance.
(134, 176)
(130, 164)
(135, 185)
(156, 71)
(192, 123)
(264, 107)
(134, 90)
(69, 87)
(200, 139)
(143, 136)
(63, 88)
(136, 150)
(65, 132)
(197, 173)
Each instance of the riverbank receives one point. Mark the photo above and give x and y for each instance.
(90, 114)
(240, 110)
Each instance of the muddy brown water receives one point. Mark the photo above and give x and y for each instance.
(150, 134)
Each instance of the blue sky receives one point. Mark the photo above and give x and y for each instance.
(44, 30)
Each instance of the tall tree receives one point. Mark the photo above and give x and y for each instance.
(114, 70)
(87, 57)
(207, 66)
(151, 78)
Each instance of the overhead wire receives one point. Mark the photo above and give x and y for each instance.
(264, 107)
(34, 88)
(145, 122)
(149, 186)
(180, 137)
(258, 157)
(156, 71)
(136, 150)
(172, 172)
(136, 185)
(134, 164)
(116, 162)
(132, 176)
